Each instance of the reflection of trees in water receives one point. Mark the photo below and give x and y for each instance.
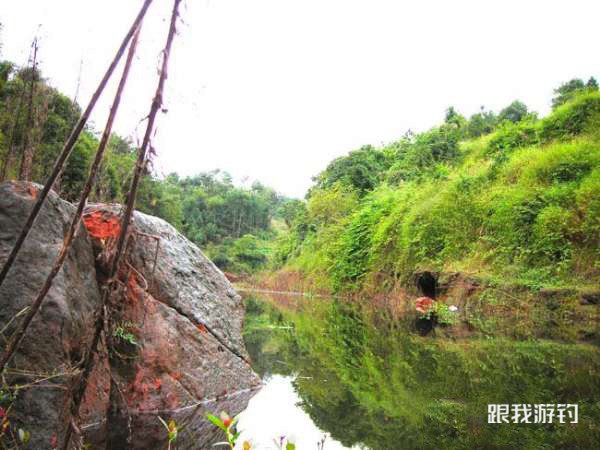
(268, 339)
(392, 390)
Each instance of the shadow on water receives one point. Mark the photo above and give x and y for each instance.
(380, 385)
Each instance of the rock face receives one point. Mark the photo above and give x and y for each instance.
(176, 348)
(188, 357)
(59, 334)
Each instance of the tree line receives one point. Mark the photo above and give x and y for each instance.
(232, 223)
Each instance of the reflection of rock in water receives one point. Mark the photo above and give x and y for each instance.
(196, 433)
(182, 316)
(424, 326)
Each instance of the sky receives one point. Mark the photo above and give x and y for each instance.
(273, 90)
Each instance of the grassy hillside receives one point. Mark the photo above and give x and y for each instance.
(510, 199)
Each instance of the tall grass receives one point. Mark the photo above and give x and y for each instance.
(520, 204)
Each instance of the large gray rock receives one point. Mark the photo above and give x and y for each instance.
(182, 277)
(59, 334)
(177, 350)
(188, 355)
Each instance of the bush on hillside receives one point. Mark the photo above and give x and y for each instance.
(481, 123)
(567, 91)
(423, 155)
(515, 112)
(513, 135)
(353, 246)
(575, 117)
(361, 170)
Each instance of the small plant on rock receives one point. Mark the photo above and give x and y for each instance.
(172, 430)
(227, 425)
(124, 332)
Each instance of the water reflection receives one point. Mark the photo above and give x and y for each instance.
(275, 412)
(370, 382)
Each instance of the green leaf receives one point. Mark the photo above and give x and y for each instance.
(290, 446)
(24, 436)
(216, 422)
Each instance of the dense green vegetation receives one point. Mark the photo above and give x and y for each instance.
(505, 195)
(233, 224)
(368, 381)
(508, 197)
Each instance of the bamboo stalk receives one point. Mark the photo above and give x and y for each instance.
(141, 160)
(82, 203)
(125, 222)
(69, 144)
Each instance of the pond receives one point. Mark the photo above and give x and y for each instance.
(341, 376)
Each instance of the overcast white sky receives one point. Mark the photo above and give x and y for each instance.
(275, 89)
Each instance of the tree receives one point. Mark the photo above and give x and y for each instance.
(515, 112)
(568, 90)
(6, 68)
(422, 154)
(290, 209)
(330, 205)
(452, 117)
(481, 123)
(249, 253)
(31, 76)
(362, 170)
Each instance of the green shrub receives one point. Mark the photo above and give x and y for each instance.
(513, 135)
(588, 207)
(511, 212)
(575, 117)
(422, 154)
(560, 163)
(444, 226)
(361, 170)
(352, 252)
(551, 232)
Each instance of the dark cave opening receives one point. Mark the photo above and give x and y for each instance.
(427, 284)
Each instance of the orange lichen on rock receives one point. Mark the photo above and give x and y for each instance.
(176, 375)
(102, 225)
(134, 290)
(24, 188)
(201, 328)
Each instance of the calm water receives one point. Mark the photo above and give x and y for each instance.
(362, 381)
(276, 411)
